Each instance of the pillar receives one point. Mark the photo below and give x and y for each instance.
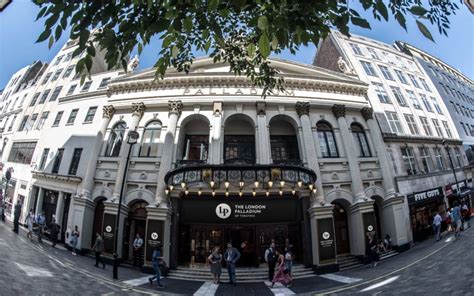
(215, 150)
(108, 227)
(361, 221)
(263, 136)
(59, 209)
(88, 181)
(39, 201)
(83, 217)
(158, 231)
(351, 153)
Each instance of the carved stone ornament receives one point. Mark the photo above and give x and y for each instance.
(367, 113)
(261, 108)
(339, 110)
(138, 109)
(175, 107)
(108, 111)
(133, 63)
(302, 108)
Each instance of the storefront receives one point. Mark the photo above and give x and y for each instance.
(423, 206)
(457, 192)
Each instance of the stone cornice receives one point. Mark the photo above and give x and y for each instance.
(84, 95)
(63, 178)
(413, 139)
(16, 111)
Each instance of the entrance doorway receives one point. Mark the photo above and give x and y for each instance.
(341, 228)
(98, 218)
(135, 223)
(243, 239)
(67, 204)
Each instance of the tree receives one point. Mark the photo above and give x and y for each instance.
(242, 33)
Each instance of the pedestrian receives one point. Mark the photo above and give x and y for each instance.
(231, 256)
(41, 221)
(289, 257)
(282, 275)
(74, 239)
(98, 247)
(215, 259)
(137, 251)
(16, 216)
(388, 242)
(466, 213)
(157, 261)
(371, 251)
(271, 259)
(30, 218)
(456, 213)
(437, 225)
(448, 220)
(53, 232)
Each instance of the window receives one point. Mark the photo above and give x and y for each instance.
(76, 158)
(426, 126)
(472, 130)
(414, 81)
(42, 120)
(90, 114)
(458, 157)
(22, 152)
(283, 148)
(426, 159)
(56, 75)
(197, 147)
(71, 89)
(104, 82)
(356, 48)
(381, 93)
(58, 60)
(411, 124)
(115, 140)
(68, 56)
(369, 70)
(23, 123)
(373, 53)
(44, 158)
(360, 139)
(427, 104)
(454, 107)
(398, 96)
(32, 121)
(55, 94)
(72, 116)
(425, 85)
(460, 109)
(394, 123)
(437, 128)
(151, 139)
(465, 127)
(439, 159)
(58, 118)
(46, 78)
(57, 161)
(436, 105)
(44, 96)
(386, 72)
(68, 71)
(414, 100)
(327, 142)
(408, 156)
(447, 129)
(401, 77)
(11, 124)
(86, 86)
(35, 97)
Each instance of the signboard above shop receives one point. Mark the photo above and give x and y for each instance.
(425, 196)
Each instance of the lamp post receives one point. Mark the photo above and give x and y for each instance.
(445, 144)
(131, 140)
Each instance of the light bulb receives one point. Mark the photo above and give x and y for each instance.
(213, 193)
(226, 184)
(171, 187)
(282, 183)
(199, 192)
(183, 185)
(267, 193)
(310, 186)
(186, 192)
(256, 183)
(254, 193)
(270, 184)
(167, 191)
(227, 193)
(212, 183)
(240, 193)
(293, 191)
(314, 190)
(241, 184)
(281, 192)
(300, 183)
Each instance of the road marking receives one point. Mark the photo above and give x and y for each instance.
(382, 283)
(207, 289)
(138, 281)
(340, 278)
(34, 271)
(278, 289)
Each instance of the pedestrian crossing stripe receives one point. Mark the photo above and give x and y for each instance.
(33, 271)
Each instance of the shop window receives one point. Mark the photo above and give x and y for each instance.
(115, 140)
(360, 139)
(150, 140)
(327, 142)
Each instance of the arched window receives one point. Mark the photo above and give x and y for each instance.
(360, 139)
(327, 143)
(115, 140)
(150, 139)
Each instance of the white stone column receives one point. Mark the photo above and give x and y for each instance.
(382, 156)
(39, 201)
(263, 136)
(59, 207)
(351, 152)
(137, 112)
(88, 181)
(216, 136)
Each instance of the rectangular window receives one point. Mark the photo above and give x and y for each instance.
(71, 89)
(425, 85)
(426, 159)
(414, 81)
(408, 156)
(411, 124)
(104, 82)
(55, 94)
(426, 126)
(439, 159)
(68, 71)
(58, 60)
(436, 105)
(90, 114)
(399, 96)
(72, 116)
(22, 152)
(76, 158)
(414, 100)
(86, 86)
(58, 118)
(44, 158)
(401, 77)
(44, 96)
(46, 78)
(42, 120)
(373, 53)
(56, 75)
(458, 157)
(356, 48)
(57, 161)
(427, 104)
(68, 56)
(32, 121)
(23, 123)
(386, 72)
(437, 128)
(381, 93)
(12, 123)
(369, 70)
(394, 123)
(447, 129)
(465, 128)
(35, 98)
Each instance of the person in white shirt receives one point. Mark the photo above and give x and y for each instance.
(437, 225)
(137, 251)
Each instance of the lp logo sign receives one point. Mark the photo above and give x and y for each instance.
(223, 211)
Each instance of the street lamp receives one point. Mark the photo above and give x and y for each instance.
(132, 139)
(445, 144)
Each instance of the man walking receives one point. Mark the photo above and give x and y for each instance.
(137, 251)
(271, 259)
(98, 247)
(41, 221)
(231, 256)
(53, 232)
(16, 216)
(437, 225)
(157, 261)
(456, 219)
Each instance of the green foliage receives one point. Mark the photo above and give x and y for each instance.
(242, 33)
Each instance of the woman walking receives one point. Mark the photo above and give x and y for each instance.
(289, 257)
(74, 239)
(282, 275)
(371, 249)
(216, 264)
(29, 222)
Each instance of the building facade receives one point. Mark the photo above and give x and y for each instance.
(419, 134)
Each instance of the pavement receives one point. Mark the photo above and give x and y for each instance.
(429, 268)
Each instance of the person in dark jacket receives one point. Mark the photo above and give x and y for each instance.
(371, 249)
(157, 261)
(98, 247)
(16, 217)
(231, 256)
(53, 232)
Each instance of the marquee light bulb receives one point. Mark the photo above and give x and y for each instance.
(212, 183)
(254, 193)
(270, 184)
(183, 185)
(227, 193)
(213, 193)
(240, 193)
(241, 184)
(171, 187)
(256, 183)
(300, 183)
(167, 191)
(199, 192)
(293, 191)
(314, 190)
(186, 192)
(282, 183)
(226, 184)
(267, 193)
(281, 192)
(310, 186)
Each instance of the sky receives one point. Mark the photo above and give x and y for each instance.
(19, 31)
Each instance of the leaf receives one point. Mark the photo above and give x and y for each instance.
(84, 36)
(41, 13)
(188, 24)
(418, 10)
(424, 30)
(43, 36)
(91, 50)
(382, 9)
(51, 42)
(401, 20)
(263, 23)
(58, 33)
(212, 5)
(264, 45)
(274, 42)
(251, 48)
(174, 51)
(360, 22)
(140, 48)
